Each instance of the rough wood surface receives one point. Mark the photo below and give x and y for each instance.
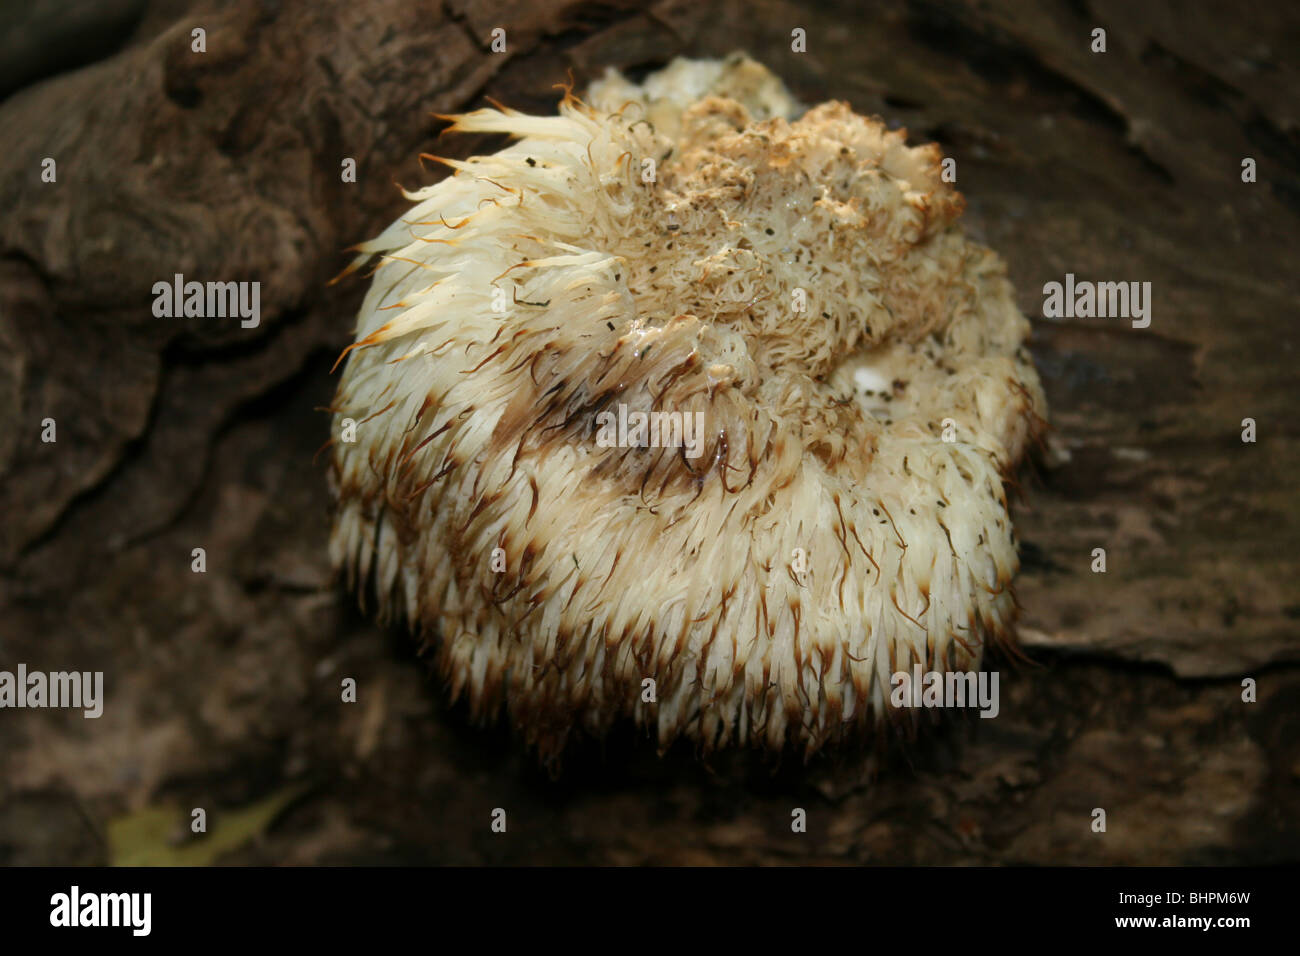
(175, 434)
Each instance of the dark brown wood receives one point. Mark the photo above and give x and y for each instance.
(177, 434)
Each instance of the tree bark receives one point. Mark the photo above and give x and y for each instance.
(176, 434)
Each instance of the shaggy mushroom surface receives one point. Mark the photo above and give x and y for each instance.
(687, 406)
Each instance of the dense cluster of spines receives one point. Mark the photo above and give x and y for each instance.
(624, 564)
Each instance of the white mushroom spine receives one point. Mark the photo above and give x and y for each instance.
(538, 286)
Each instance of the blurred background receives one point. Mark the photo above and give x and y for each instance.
(222, 688)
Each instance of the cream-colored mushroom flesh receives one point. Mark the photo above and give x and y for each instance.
(688, 407)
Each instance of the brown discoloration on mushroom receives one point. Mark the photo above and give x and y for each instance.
(799, 284)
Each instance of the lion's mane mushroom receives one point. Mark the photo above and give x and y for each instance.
(686, 245)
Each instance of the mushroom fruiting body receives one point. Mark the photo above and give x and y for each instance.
(688, 246)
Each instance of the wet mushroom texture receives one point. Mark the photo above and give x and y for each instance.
(690, 406)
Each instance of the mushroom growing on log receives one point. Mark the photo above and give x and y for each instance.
(686, 406)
